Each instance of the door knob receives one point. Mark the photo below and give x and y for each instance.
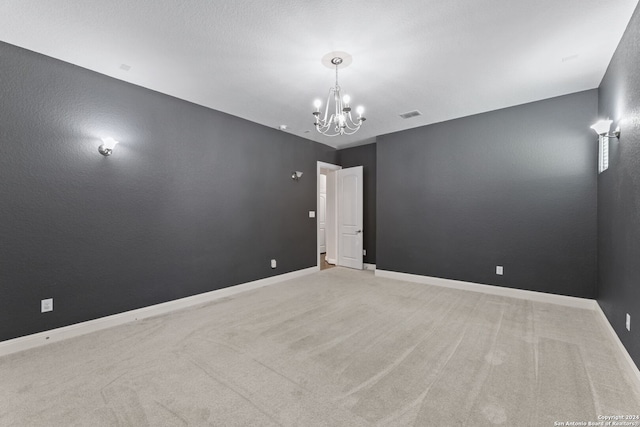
(359, 231)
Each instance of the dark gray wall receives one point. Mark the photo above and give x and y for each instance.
(365, 156)
(514, 187)
(192, 199)
(619, 193)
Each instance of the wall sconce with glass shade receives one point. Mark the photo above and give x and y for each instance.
(107, 146)
(601, 127)
(296, 175)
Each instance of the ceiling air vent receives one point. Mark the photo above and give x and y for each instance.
(410, 114)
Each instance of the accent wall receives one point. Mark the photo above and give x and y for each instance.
(190, 201)
(514, 188)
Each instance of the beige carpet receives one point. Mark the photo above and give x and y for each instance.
(338, 348)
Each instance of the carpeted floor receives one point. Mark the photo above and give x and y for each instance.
(336, 348)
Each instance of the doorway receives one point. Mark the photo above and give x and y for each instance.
(340, 216)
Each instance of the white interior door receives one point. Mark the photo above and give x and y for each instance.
(322, 213)
(350, 230)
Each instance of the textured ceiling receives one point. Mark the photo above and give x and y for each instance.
(261, 60)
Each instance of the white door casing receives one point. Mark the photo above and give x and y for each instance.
(322, 213)
(331, 217)
(350, 230)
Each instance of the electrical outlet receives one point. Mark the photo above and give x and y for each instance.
(46, 305)
(499, 270)
(312, 214)
(628, 322)
(273, 263)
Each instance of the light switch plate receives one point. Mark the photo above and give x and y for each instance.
(46, 305)
(499, 270)
(312, 214)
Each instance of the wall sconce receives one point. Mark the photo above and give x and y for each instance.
(296, 175)
(106, 148)
(602, 129)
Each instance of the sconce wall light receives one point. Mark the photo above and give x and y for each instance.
(602, 128)
(296, 175)
(106, 148)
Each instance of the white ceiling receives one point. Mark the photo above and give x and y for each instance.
(261, 60)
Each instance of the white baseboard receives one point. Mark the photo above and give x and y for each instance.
(633, 371)
(59, 334)
(589, 304)
(369, 266)
(331, 261)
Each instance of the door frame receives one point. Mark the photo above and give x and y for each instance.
(332, 167)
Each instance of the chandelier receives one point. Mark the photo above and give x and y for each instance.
(337, 118)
